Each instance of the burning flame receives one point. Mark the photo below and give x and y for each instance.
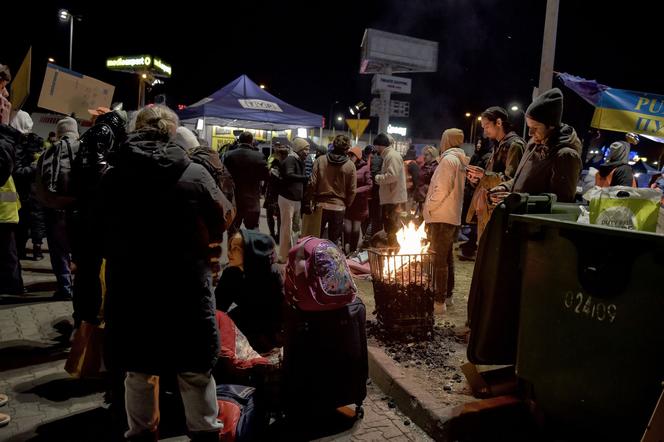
(411, 241)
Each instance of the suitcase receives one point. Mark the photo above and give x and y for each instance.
(325, 359)
(244, 420)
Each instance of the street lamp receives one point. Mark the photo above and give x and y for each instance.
(51, 60)
(340, 118)
(262, 86)
(467, 114)
(516, 108)
(65, 16)
(355, 110)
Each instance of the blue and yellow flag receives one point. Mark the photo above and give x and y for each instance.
(629, 111)
(620, 110)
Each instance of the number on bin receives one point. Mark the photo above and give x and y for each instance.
(585, 305)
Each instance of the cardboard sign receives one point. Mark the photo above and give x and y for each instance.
(69, 92)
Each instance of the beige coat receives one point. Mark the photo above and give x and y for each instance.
(445, 196)
(392, 179)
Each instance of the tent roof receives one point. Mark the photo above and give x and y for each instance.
(242, 103)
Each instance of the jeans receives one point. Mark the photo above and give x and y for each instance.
(334, 219)
(250, 219)
(199, 396)
(286, 238)
(352, 230)
(272, 213)
(59, 248)
(442, 238)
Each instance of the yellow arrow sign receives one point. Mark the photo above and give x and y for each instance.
(356, 126)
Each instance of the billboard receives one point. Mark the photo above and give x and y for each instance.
(69, 92)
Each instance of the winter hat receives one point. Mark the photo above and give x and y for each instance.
(299, 144)
(451, 138)
(185, 138)
(67, 127)
(381, 140)
(547, 108)
(356, 151)
(22, 122)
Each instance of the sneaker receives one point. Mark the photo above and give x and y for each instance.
(4, 419)
(3, 399)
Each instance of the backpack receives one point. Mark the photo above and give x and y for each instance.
(317, 276)
(55, 180)
(243, 419)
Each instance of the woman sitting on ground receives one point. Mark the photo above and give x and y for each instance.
(253, 283)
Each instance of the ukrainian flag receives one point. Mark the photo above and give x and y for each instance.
(630, 111)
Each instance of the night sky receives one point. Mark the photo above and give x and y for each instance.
(489, 51)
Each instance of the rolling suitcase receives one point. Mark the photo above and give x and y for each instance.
(325, 359)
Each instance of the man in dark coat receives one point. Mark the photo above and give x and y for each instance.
(248, 168)
(551, 162)
(159, 211)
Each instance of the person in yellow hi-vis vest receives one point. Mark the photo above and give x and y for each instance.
(10, 266)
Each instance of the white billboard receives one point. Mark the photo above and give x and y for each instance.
(390, 83)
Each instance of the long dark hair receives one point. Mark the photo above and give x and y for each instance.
(494, 112)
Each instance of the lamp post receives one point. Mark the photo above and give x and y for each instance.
(516, 108)
(65, 16)
(470, 125)
(355, 110)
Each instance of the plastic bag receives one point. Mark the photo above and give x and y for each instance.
(584, 216)
(624, 207)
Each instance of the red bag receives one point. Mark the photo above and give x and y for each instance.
(317, 276)
(235, 348)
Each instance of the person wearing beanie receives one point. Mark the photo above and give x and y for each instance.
(248, 168)
(616, 171)
(333, 186)
(442, 209)
(59, 221)
(358, 211)
(254, 284)
(392, 182)
(67, 128)
(551, 162)
(291, 193)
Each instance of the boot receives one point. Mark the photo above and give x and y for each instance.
(37, 254)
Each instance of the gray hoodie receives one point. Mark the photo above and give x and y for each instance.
(445, 195)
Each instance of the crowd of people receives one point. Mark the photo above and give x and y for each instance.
(146, 205)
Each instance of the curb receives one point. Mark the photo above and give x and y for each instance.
(440, 423)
